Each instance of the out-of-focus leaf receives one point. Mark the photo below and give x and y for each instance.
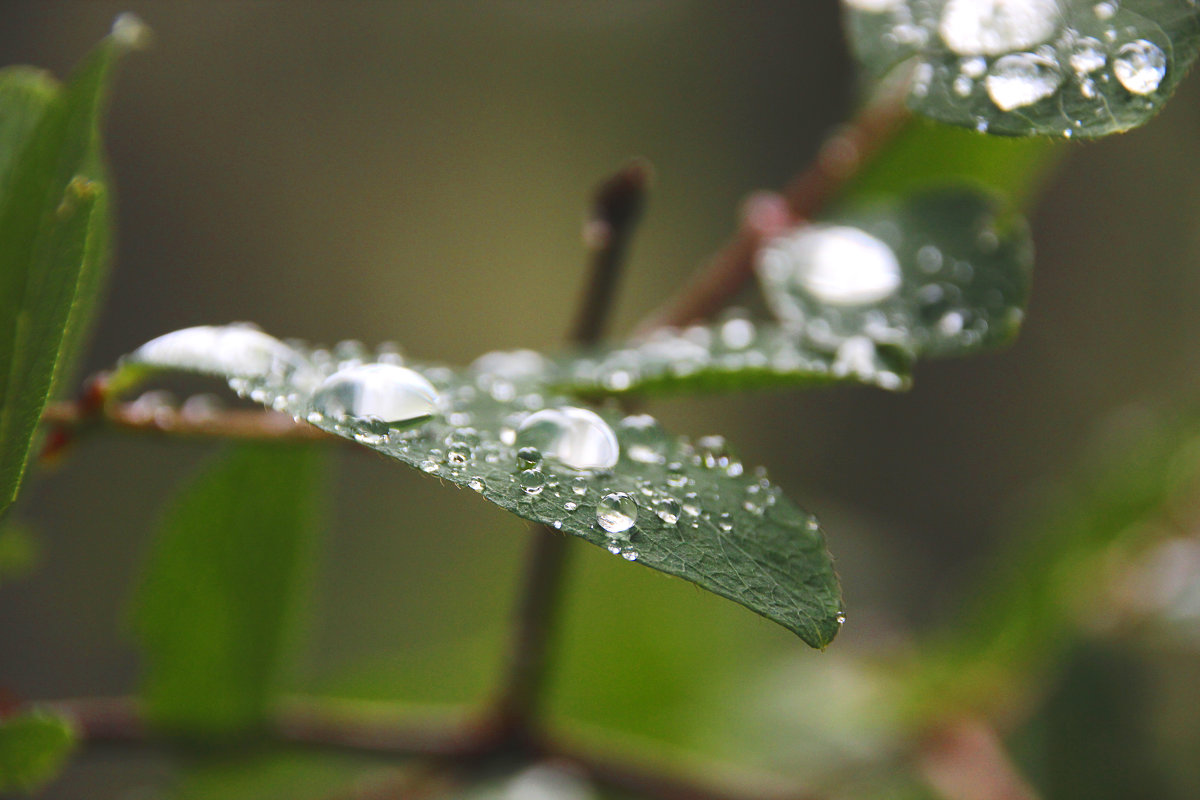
(216, 608)
(277, 776)
(54, 229)
(1031, 67)
(18, 550)
(1055, 579)
(860, 296)
(925, 154)
(33, 747)
(690, 510)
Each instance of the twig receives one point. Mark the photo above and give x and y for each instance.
(222, 424)
(312, 723)
(965, 760)
(616, 208)
(627, 776)
(769, 214)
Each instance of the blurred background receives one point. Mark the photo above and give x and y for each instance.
(418, 172)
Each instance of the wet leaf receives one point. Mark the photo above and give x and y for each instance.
(1032, 67)
(218, 600)
(687, 509)
(33, 747)
(54, 225)
(859, 296)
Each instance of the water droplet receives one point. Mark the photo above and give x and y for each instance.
(725, 522)
(737, 333)
(629, 555)
(841, 618)
(832, 264)
(430, 466)
(458, 454)
(676, 477)
(570, 505)
(691, 504)
(1140, 66)
(1104, 11)
(992, 27)
(579, 485)
(531, 481)
(642, 438)
(1021, 79)
(617, 512)
(384, 392)
(1087, 56)
(963, 86)
(667, 509)
(476, 483)
(575, 437)
(528, 457)
(929, 259)
(225, 350)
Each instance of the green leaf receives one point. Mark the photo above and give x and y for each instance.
(925, 154)
(18, 550)
(1031, 67)
(699, 514)
(860, 296)
(54, 224)
(33, 747)
(216, 607)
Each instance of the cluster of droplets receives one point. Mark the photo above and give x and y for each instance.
(560, 460)
(1099, 63)
(884, 291)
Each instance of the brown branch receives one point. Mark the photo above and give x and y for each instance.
(768, 214)
(616, 208)
(168, 421)
(312, 723)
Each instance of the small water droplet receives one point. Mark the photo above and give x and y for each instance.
(430, 466)
(575, 437)
(579, 485)
(1104, 11)
(841, 618)
(531, 481)
(476, 483)
(629, 555)
(570, 505)
(1140, 66)
(458, 454)
(667, 509)
(616, 512)
(676, 476)
(691, 504)
(829, 264)
(528, 457)
(725, 522)
(1087, 56)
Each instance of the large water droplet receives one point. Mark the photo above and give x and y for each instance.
(992, 27)
(617, 512)
(834, 264)
(226, 350)
(382, 392)
(1140, 66)
(1022, 79)
(575, 437)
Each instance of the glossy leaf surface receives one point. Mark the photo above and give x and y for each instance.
(1032, 67)
(687, 509)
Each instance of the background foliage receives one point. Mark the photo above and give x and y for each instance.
(333, 170)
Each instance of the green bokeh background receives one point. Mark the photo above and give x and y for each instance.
(417, 172)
